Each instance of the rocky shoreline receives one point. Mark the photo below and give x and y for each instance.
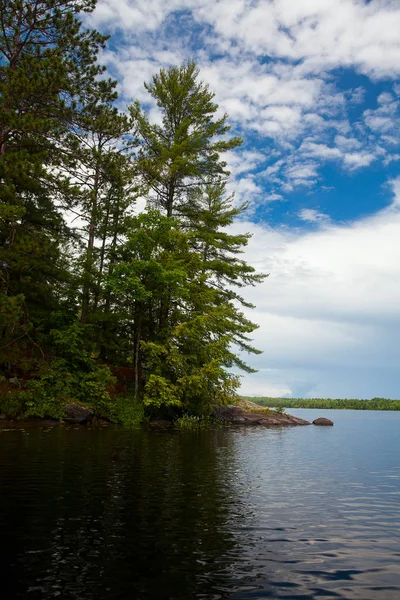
(237, 415)
(245, 413)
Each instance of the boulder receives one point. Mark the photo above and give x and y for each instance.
(238, 416)
(323, 422)
(162, 423)
(76, 414)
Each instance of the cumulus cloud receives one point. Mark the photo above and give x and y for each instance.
(311, 215)
(330, 305)
(320, 34)
(272, 65)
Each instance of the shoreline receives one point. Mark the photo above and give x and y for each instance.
(244, 413)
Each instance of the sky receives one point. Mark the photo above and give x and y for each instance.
(313, 87)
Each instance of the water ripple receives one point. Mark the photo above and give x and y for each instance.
(300, 513)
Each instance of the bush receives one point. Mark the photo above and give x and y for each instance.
(60, 383)
(187, 421)
(12, 404)
(127, 410)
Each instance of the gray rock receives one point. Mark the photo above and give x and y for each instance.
(238, 416)
(163, 423)
(238, 420)
(76, 414)
(14, 381)
(323, 422)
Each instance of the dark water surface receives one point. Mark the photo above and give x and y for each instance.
(119, 514)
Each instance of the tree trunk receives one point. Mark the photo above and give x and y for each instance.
(90, 247)
(137, 358)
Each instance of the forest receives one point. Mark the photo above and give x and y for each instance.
(329, 403)
(120, 279)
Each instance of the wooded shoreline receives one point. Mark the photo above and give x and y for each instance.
(243, 414)
(328, 403)
(120, 275)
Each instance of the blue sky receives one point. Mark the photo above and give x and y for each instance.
(313, 86)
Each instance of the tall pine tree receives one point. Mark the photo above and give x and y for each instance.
(183, 152)
(47, 67)
(180, 268)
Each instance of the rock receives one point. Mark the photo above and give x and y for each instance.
(14, 381)
(76, 414)
(160, 423)
(100, 422)
(238, 420)
(239, 416)
(323, 422)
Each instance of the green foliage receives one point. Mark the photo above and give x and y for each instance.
(61, 382)
(12, 404)
(328, 403)
(187, 421)
(74, 376)
(47, 65)
(156, 293)
(127, 410)
(185, 150)
(184, 327)
(43, 401)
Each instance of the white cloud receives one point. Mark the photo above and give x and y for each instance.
(321, 34)
(319, 150)
(312, 216)
(384, 121)
(345, 144)
(273, 197)
(246, 190)
(331, 305)
(244, 162)
(358, 159)
(271, 65)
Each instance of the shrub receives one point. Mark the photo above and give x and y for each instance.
(12, 404)
(127, 410)
(60, 383)
(187, 421)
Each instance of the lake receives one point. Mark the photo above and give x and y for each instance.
(119, 514)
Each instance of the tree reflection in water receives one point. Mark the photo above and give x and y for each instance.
(118, 514)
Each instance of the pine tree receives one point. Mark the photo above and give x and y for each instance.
(186, 323)
(185, 363)
(47, 65)
(183, 152)
(99, 164)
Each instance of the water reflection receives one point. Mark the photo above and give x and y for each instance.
(119, 514)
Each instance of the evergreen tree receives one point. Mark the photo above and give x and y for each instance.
(99, 164)
(158, 291)
(183, 152)
(207, 217)
(185, 362)
(47, 67)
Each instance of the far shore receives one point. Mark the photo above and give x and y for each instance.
(326, 403)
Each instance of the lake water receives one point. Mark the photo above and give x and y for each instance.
(117, 514)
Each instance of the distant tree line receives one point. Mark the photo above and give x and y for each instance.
(88, 283)
(327, 403)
